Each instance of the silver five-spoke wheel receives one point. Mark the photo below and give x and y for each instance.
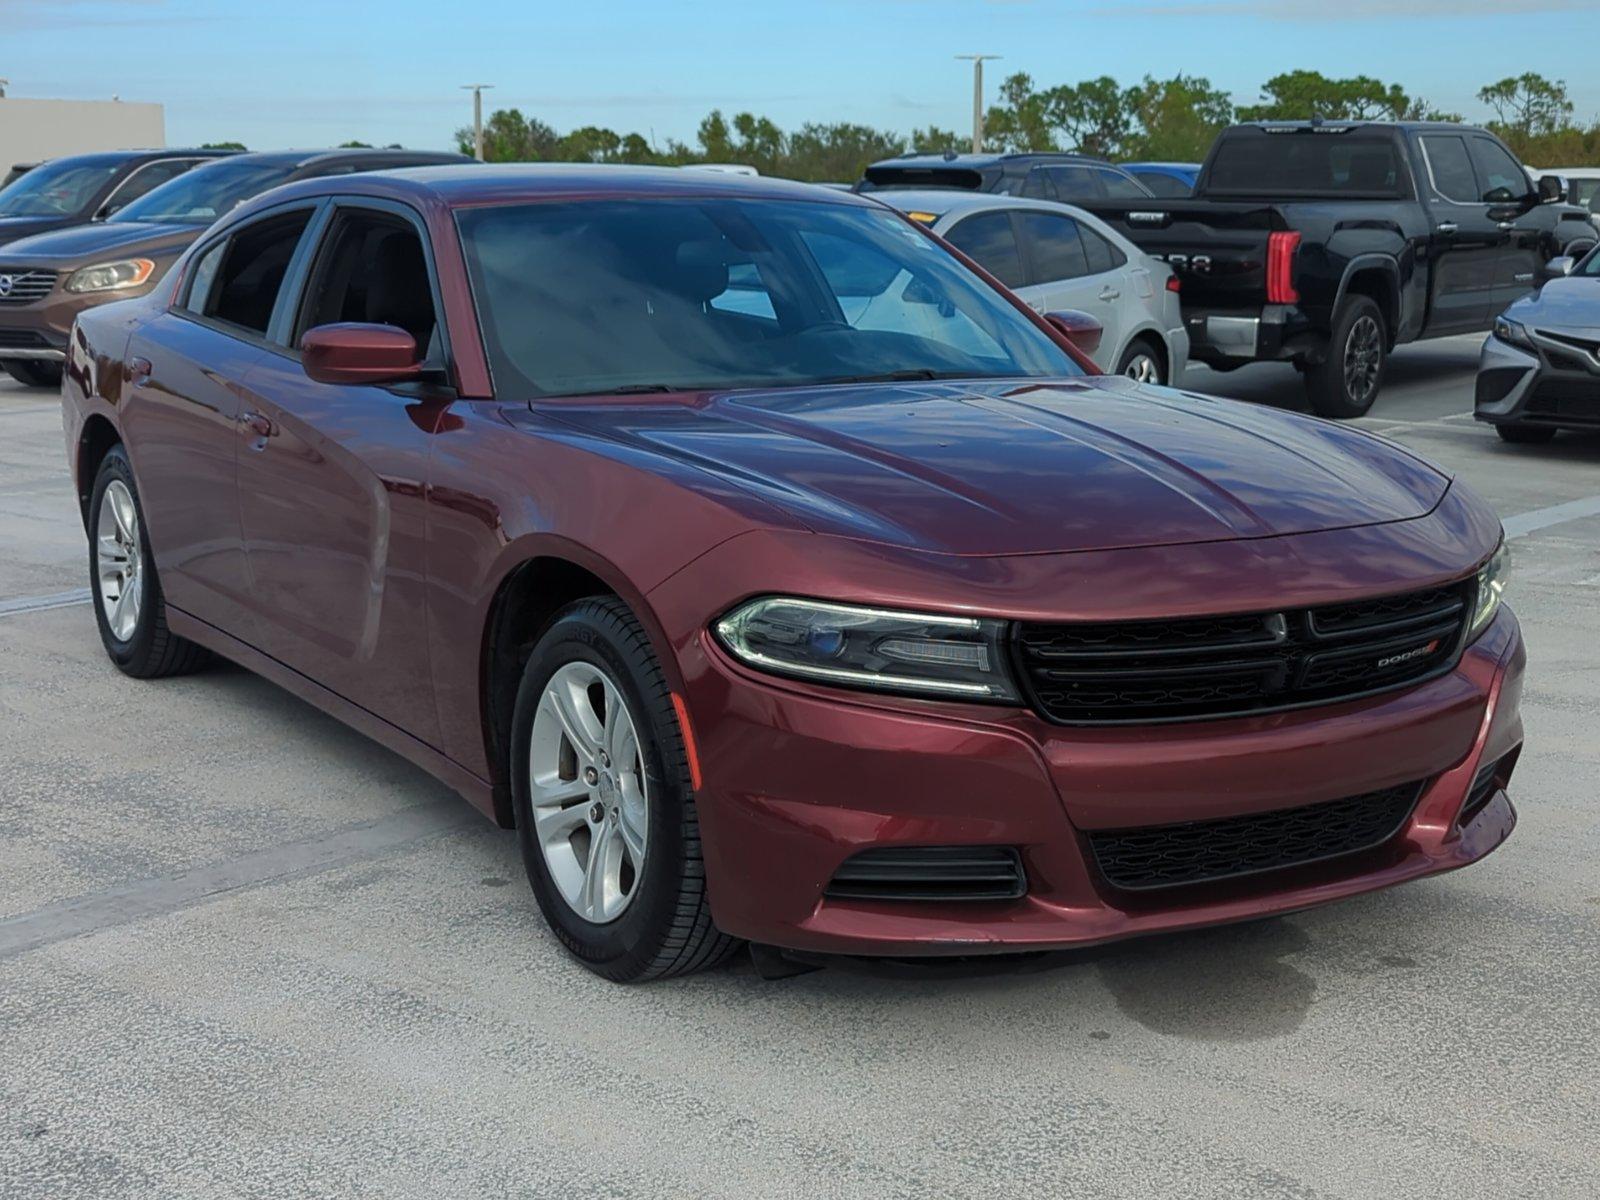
(589, 792)
(1143, 367)
(119, 561)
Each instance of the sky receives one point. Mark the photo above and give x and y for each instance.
(276, 73)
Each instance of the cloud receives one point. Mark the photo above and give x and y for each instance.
(1321, 10)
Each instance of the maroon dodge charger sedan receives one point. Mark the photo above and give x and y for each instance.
(779, 577)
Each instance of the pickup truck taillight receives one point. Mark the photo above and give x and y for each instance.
(1280, 267)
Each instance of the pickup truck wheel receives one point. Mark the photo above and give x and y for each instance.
(33, 374)
(1347, 382)
(1525, 435)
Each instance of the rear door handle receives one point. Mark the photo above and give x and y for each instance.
(258, 424)
(1108, 294)
(1448, 227)
(1506, 225)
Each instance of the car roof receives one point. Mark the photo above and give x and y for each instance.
(470, 184)
(1364, 123)
(925, 159)
(949, 202)
(112, 158)
(305, 158)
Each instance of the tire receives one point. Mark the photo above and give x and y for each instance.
(1526, 435)
(1347, 382)
(124, 588)
(650, 921)
(1143, 360)
(33, 373)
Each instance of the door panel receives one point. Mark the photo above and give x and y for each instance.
(1516, 213)
(181, 422)
(1059, 269)
(1464, 244)
(331, 484)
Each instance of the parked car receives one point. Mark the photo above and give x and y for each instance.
(1171, 179)
(86, 187)
(833, 636)
(47, 280)
(1056, 257)
(1583, 185)
(1326, 244)
(1539, 371)
(1070, 178)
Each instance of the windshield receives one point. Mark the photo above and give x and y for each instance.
(1306, 163)
(1589, 265)
(205, 193)
(58, 189)
(666, 295)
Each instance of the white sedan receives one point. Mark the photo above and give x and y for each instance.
(1054, 257)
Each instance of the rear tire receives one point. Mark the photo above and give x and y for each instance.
(1143, 361)
(1347, 382)
(1526, 435)
(128, 605)
(32, 372)
(600, 783)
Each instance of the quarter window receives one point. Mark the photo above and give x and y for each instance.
(1075, 183)
(1119, 186)
(1450, 168)
(989, 240)
(1057, 246)
(1103, 256)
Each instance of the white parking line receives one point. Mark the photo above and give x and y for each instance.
(1518, 526)
(23, 604)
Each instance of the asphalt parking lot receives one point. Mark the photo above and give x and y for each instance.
(245, 952)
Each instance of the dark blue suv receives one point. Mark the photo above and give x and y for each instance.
(1070, 178)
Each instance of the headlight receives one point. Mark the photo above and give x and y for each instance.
(1512, 332)
(918, 653)
(1491, 585)
(111, 276)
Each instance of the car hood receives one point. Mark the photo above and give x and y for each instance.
(12, 228)
(999, 467)
(86, 243)
(1571, 303)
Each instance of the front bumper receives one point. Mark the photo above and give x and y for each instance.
(797, 779)
(1554, 384)
(39, 330)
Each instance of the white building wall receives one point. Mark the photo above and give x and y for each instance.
(32, 130)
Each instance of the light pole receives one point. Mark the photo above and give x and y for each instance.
(477, 90)
(977, 61)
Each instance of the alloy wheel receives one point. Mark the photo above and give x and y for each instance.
(589, 792)
(1144, 368)
(1363, 357)
(119, 561)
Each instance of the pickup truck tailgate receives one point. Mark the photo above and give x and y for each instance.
(1219, 250)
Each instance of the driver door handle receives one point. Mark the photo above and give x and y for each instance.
(258, 424)
(1448, 227)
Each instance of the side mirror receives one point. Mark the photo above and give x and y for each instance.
(1552, 189)
(355, 353)
(1557, 267)
(1079, 328)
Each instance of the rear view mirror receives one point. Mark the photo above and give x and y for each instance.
(356, 353)
(1079, 328)
(1552, 188)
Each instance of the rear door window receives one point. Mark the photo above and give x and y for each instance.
(236, 283)
(989, 239)
(1055, 246)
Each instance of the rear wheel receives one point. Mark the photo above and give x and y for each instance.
(32, 372)
(128, 605)
(1346, 383)
(1143, 360)
(1525, 435)
(604, 802)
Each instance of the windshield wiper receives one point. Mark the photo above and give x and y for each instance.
(908, 375)
(634, 389)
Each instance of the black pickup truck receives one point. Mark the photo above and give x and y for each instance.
(1326, 244)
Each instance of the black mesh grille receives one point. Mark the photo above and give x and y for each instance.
(1564, 401)
(931, 873)
(1207, 851)
(1134, 671)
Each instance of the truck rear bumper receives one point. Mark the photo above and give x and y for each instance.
(1273, 333)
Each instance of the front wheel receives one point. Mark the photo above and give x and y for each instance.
(1526, 435)
(604, 801)
(33, 373)
(1346, 383)
(128, 605)
(1142, 361)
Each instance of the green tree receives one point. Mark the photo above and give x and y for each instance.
(1528, 106)
(838, 153)
(1177, 118)
(1020, 120)
(1297, 95)
(224, 146)
(1094, 117)
(934, 140)
(508, 136)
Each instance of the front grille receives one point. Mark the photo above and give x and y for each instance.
(1589, 347)
(1564, 402)
(22, 339)
(25, 287)
(1193, 668)
(930, 873)
(1162, 856)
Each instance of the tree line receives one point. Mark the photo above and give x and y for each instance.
(1168, 119)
